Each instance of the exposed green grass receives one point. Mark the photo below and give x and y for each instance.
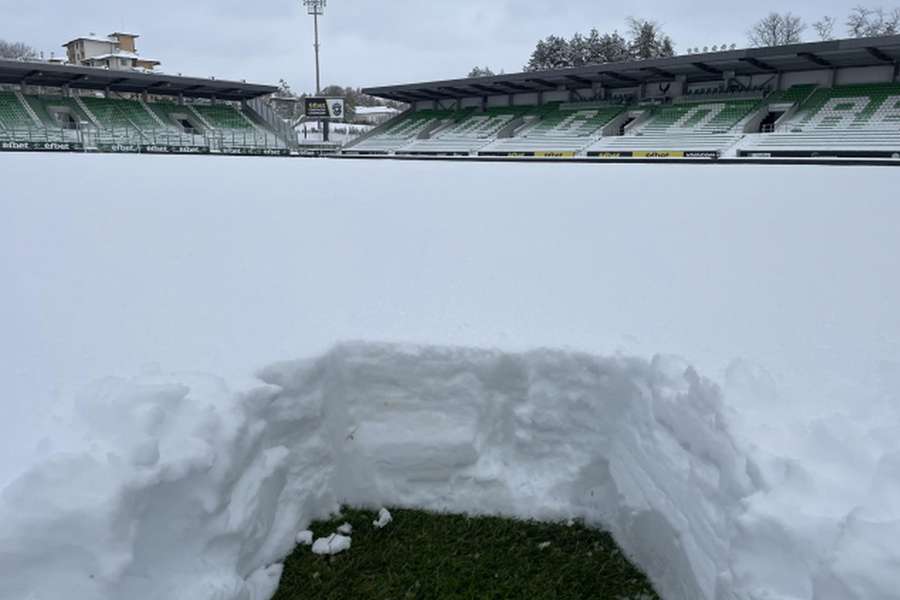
(426, 556)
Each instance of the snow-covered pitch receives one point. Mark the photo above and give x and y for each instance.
(703, 360)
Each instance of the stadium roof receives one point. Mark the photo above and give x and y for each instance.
(694, 67)
(135, 82)
(122, 54)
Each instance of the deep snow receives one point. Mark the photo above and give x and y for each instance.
(768, 470)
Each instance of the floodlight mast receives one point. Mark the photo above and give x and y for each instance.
(316, 8)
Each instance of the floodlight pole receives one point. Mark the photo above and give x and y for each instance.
(318, 72)
(317, 8)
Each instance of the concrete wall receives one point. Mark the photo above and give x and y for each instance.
(817, 77)
(495, 101)
(864, 75)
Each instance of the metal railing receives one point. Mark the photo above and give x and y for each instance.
(94, 139)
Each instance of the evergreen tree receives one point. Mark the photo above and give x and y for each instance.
(481, 72)
(551, 53)
(612, 48)
(648, 40)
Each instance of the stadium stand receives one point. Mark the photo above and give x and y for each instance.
(789, 101)
(703, 128)
(561, 128)
(231, 128)
(797, 94)
(77, 108)
(553, 127)
(853, 120)
(697, 105)
(403, 130)
(686, 126)
(96, 121)
(120, 114)
(857, 118)
(13, 115)
(469, 131)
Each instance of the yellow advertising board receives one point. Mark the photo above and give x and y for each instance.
(555, 154)
(663, 154)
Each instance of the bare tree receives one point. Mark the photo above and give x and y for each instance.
(858, 23)
(872, 22)
(16, 50)
(825, 28)
(777, 30)
(891, 23)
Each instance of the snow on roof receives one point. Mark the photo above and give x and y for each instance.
(91, 38)
(375, 110)
(121, 54)
(130, 55)
(122, 33)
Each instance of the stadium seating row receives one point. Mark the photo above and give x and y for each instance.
(95, 120)
(814, 118)
(557, 127)
(848, 119)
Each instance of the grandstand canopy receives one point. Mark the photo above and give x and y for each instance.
(878, 51)
(136, 82)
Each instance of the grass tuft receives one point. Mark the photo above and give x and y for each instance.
(426, 556)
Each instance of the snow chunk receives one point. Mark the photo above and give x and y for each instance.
(305, 538)
(333, 544)
(384, 517)
(345, 529)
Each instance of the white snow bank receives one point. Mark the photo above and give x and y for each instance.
(188, 491)
(305, 538)
(185, 490)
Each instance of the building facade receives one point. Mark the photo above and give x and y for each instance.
(116, 52)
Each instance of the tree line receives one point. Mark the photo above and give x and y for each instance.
(645, 39)
(16, 50)
(779, 29)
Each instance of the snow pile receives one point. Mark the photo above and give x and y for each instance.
(384, 519)
(333, 544)
(188, 491)
(345, 529)
(826, 523)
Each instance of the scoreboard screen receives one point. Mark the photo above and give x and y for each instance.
(324, 108)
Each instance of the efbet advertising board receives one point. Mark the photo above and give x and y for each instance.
(12, 146)
(654, 154)
(324, 109)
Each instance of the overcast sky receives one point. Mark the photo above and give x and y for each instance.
(365, 42)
